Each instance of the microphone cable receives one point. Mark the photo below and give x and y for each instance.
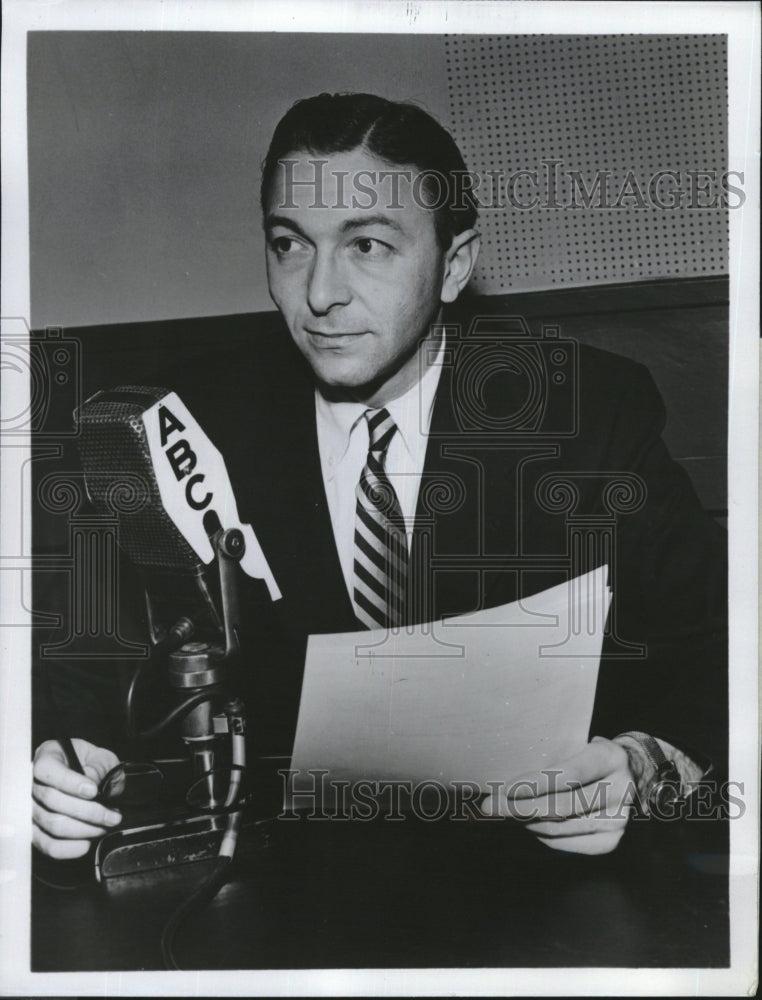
(178, 712)
(216, 878)
(178, 634)
(204, 893)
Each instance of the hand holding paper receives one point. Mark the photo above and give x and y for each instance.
(580, 805)
(472, 702)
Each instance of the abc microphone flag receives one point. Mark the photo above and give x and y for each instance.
(146, 435)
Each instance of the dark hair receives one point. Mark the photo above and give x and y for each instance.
(399, 133)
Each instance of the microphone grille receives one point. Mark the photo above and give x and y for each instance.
(120, 478)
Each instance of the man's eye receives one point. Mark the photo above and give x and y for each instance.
(367, 246)
(285, 245)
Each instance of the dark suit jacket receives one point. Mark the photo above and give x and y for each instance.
(544, 460)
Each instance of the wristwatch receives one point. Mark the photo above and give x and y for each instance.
(664, 791)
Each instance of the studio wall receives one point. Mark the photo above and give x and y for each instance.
(634, 125)
(145, 152)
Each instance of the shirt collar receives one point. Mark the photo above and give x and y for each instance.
(411, 412)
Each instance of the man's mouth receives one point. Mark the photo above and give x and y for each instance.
(334, 338)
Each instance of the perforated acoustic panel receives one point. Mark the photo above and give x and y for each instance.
(622, 144)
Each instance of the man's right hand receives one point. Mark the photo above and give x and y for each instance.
(64, 817)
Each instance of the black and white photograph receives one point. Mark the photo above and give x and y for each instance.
(379, 480)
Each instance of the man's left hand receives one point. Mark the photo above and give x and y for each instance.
(581, 805)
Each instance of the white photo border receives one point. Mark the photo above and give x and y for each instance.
(741, 22)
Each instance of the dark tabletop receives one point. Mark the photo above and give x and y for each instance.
(330, 894)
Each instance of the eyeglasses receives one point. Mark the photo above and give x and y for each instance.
(142, 783)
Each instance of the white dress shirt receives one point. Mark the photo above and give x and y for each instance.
(343, 443)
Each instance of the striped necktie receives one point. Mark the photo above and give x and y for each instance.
(380, 554)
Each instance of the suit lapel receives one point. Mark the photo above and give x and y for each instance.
(468, 505)
(447, 575)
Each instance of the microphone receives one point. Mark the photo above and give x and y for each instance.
(147, 459)
(147, 435)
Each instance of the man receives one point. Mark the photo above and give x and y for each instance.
(370, 236)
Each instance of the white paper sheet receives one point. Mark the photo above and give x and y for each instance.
(480, 698)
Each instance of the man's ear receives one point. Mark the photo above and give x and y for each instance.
(460, 260)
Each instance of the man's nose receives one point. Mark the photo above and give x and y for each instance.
(327, 286)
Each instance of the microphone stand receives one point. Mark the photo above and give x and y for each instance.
(197, 673)
(198, 667)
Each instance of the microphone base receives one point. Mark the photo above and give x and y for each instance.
(141, 849)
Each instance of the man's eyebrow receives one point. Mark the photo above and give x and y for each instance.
(361, 221)
(349, 225)
(283, 220)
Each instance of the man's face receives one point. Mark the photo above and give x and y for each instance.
(357, 286)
